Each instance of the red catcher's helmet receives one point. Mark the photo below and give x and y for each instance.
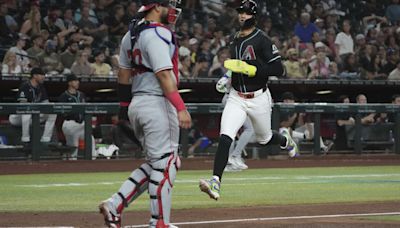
(173, 11)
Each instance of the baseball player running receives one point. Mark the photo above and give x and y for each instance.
(255, 58)
(156, 111)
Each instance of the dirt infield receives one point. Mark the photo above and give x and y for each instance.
(267, 216)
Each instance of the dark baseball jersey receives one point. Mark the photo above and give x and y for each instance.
(255, 49)
(68, 97)
(28, 93)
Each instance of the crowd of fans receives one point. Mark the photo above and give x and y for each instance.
(317, 39)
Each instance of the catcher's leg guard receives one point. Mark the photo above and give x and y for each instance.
(160, 189)
(132, 188)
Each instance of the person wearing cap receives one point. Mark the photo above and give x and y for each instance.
(294, 68)
(254, 58)
(150, 101)
(33, 91)
(22, 55)
(392, 59)
(73, 126)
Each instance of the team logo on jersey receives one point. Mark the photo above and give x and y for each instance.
(22, 94)
(249, 53)
(275, 49)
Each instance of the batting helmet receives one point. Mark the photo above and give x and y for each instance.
(248, 6)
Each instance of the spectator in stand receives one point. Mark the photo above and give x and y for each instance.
(213, 8)
(373, 21)
(393, 12)
(22, 55)
(36, 50)
(33, 24)
(360, 45)
(333, 70)
(391, 42)
(50, 60)
(185, 66)
(371, 64)
(99, 33)
(320, 23)
(200, 69)
(342, 120)
(10, 65)
(117, 27)
(70, 54)
(131, 12)
(68, 18)
(52, 23)
(304, 28)
(101, 69)
(8, 26)
(183, 29)
(295, 69)
(344, 42)
(330, 42)
(319, 67)
(217, 69)
(33, 91)
(198, 31)
(81, 39)
(392, 59)
(349, 68)
(92, 15)
(184, 46)
(81, 66)
(218, 41)
(193, 47)
(395, 74)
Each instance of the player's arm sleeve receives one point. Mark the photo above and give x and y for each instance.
(273, 64)
(158, 49)
(124, 52)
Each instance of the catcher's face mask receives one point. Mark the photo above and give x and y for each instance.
(173, 11)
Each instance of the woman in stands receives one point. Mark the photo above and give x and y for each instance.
(10, 65)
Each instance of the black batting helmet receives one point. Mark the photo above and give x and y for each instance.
(248, 6)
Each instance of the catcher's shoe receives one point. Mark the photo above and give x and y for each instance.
(291, 145)
(210, 187)
(111, 220)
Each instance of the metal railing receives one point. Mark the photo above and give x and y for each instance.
(90, 109)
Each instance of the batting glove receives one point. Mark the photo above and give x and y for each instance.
(239, 66)
(222, 85)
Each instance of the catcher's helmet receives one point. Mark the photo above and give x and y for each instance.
(248, 6)
(149, 4)
(173, 11)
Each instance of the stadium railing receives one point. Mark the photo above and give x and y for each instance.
(90, 109)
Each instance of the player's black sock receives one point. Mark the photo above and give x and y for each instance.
(277, 139)
(221, 157)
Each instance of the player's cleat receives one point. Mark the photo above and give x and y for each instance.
(239, 162)
(210, 187)
(239, 66)
(111, 220)
(232, 168)
(291, 145)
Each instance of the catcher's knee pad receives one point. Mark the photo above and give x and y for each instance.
(160, 188)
